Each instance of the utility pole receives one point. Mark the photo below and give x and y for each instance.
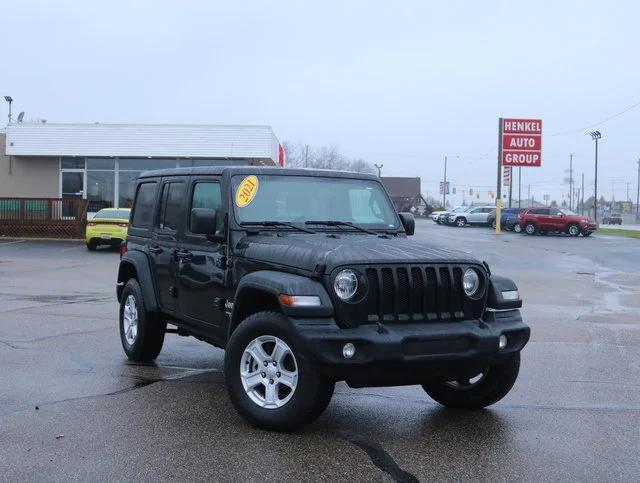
(9, 99)
(595, 135)
(628, 199)
(582, 194)
(499, 183)
(571, 181)
(306, 155)
(519, 187)
(638, 195)
(529, 195)
(444, 186)
(379, 168)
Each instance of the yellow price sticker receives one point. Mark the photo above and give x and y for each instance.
(246, 191)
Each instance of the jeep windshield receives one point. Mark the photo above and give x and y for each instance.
(322, 202)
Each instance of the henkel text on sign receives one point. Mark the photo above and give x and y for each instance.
(521, 142)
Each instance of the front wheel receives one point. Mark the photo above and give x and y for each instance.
(486, 388)
(493, 224)
(573, 230)
(460, 222)
(517, 228)
(270, 383)
(586, 233)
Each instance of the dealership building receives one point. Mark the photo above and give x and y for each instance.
(100, 162)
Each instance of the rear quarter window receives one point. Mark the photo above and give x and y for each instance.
(143, 206)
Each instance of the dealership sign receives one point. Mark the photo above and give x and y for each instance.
(521, 142)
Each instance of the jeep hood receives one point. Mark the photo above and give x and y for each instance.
(311, 252)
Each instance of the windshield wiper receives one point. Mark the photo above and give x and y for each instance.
(341, 223)
(276, 223)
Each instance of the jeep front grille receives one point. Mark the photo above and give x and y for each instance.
(415, 293)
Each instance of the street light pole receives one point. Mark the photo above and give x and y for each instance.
(582, 194)
(379, 167)
(571, 181)
(595, 135)
(9, 99)
(638, 195)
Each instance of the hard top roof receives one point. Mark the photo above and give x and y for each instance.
(272, 170)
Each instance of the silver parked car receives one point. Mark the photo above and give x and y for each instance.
(477, 215)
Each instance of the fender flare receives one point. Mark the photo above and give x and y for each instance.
(497, 285)
(280, 283)
(139, 262)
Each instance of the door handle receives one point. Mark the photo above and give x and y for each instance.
(184, 254)
(156, 250)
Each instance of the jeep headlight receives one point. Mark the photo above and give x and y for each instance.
(345, 284)
(471, 282)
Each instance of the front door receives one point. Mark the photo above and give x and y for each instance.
(72, 189)
(202, 263)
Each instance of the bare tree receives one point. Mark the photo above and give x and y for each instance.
(323, 157)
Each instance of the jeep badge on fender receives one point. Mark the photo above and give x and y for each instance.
(307, 278)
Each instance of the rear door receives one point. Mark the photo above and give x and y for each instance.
(202, 263)
(542, 218)
(168, 224)
(556, 219)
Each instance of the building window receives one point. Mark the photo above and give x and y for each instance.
(100, 190)
(101, 163)
(143, 164)
(126, 186)
(72, 163)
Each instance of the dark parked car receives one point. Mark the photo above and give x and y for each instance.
(544, 220)
(612, 219)
(508, 218)
(307, 278)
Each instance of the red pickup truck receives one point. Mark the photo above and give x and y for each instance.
(543, 220)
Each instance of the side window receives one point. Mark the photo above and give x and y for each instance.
(171, 206)
(208, 195)
(143, 206)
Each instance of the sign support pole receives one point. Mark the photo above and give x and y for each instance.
(498, 188)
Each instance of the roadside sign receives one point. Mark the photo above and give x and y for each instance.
(521, 142)
(442, 187)
(506, 176)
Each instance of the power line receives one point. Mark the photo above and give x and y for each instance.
(582, 129)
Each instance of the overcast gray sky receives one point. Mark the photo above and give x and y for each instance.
(398, 83)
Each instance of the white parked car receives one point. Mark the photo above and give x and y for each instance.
(476, 215)
(434, 215)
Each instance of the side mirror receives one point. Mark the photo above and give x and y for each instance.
(203, 221)
(408, 222)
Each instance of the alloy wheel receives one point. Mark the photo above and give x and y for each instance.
(130, 320)
(269, 372)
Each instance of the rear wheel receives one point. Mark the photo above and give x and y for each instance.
(530, 229)
(270, 383)
(517, 228)
(586, 233)
(573, 229)
(482, 390)
(92, 245)
(141, 333)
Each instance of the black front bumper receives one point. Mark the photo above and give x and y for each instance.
(410, 353)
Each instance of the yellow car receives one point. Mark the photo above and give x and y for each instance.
(108, 227)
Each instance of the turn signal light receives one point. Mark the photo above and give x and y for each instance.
(300, 300)
(92, 224)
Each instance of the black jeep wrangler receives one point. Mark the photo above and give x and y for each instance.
(307, 278)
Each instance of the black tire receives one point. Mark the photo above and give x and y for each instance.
(312, 392)
(530, 228)
(573, 229)
(92, 245)
(493, 386)
(461, 221)
(150, 329)
(586, 233)
(517, 228)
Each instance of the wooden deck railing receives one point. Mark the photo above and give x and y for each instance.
(43, 217)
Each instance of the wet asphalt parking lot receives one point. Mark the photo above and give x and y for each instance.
(73, 407)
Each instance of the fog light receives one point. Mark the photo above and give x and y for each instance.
(348, 351)
(502, 343)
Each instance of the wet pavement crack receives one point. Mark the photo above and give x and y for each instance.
(379, 457)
